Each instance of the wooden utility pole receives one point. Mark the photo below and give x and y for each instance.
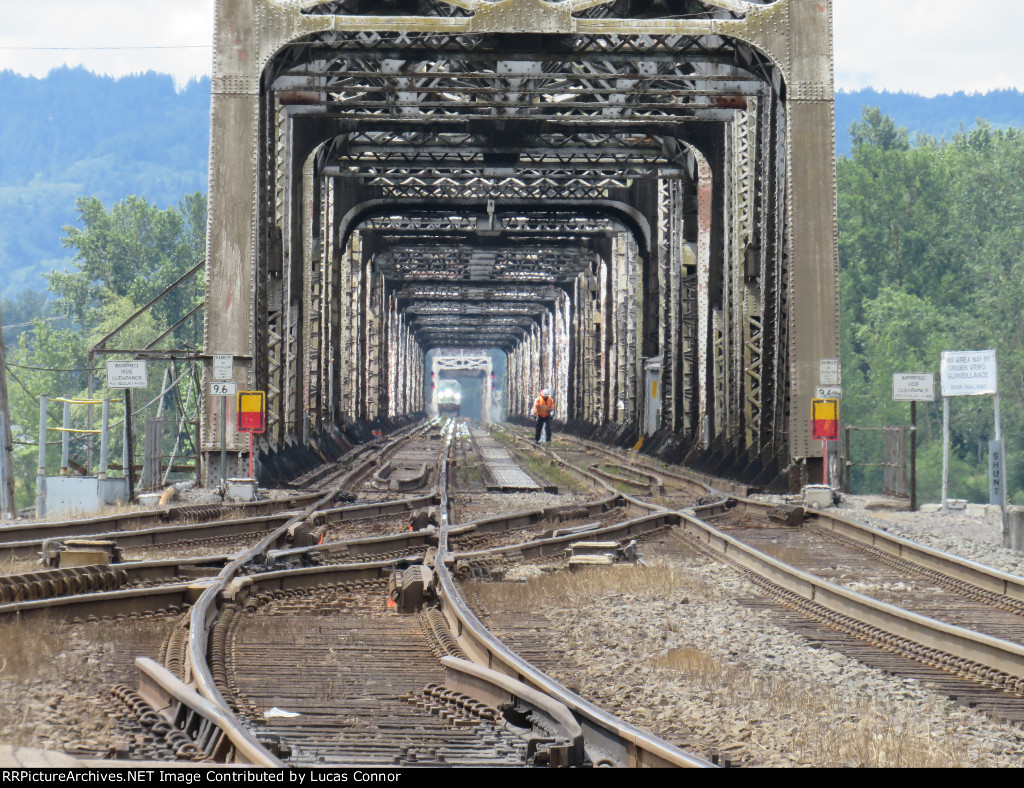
(6, 472)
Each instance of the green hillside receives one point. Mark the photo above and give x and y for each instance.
(75, 134)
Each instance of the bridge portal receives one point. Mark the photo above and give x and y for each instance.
(598, 189)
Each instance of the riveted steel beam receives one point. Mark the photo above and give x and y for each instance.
(358, 155)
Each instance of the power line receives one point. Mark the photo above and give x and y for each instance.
(97, 49)
(49, 369)
(33, 322)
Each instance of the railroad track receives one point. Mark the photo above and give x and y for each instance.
(201, 683)
(212, 674)
(202, 521)
(894, 605)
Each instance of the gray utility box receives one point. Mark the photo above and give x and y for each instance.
(66, 494)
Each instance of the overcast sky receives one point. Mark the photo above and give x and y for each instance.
(920, 46)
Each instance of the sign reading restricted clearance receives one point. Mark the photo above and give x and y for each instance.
(825, 419)
(913, 387)
(252, 411)
(127, 375)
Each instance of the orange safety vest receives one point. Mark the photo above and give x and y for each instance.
(543, 407)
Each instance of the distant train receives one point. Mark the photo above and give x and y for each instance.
(449, 398)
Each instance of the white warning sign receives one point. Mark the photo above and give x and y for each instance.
(912, 387)
(126, 375)
(968, 373)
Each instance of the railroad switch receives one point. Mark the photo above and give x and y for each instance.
(79, 552)
(305, 534)
(790, 515)
(423, 518)
(516, 714)
(275, 746)
(410, 589)
(602, 553)
(549, 752)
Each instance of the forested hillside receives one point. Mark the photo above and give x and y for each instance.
(76, 134)
(938, 116)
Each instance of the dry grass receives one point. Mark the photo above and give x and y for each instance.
(12, 565)
(582, 586)
(28, 649)
(88, 514)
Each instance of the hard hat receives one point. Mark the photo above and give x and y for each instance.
(545, 393)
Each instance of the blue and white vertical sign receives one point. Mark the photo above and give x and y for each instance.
(996, 468)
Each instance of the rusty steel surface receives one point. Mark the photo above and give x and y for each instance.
(581, 185)
(355, 706)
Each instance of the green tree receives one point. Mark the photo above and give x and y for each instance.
(930, 245)
(133, 251)
(123, 258)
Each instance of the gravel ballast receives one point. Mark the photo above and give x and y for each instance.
(699, 665)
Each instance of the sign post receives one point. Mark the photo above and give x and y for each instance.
(252, 418)
(913, 388)
(825, 427)
(972, 373)
(829, 388)
(223, 365)
(223, 390)
(128, 375)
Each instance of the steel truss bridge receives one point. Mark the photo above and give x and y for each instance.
(635, 200)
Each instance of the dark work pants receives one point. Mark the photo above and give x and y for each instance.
(541, 422)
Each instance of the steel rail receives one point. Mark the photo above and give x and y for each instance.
(206, 609)
(161, 689)
(288, 579)
(956, 567)
(109, 603)
(998, 655)
(169, 534)
(678, 474)
(993, 653)
(526, 517)
(554, 545)
(609, 740)
(18, 535)
(128, 522)
(204, 699)
(652, 482)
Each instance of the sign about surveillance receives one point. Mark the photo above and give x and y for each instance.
(968, 373)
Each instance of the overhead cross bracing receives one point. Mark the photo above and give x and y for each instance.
(652, 178)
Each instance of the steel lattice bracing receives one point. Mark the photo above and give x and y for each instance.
(596, 188)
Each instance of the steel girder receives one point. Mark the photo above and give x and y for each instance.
(722, 108)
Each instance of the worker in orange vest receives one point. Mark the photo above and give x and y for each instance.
(542, 409)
